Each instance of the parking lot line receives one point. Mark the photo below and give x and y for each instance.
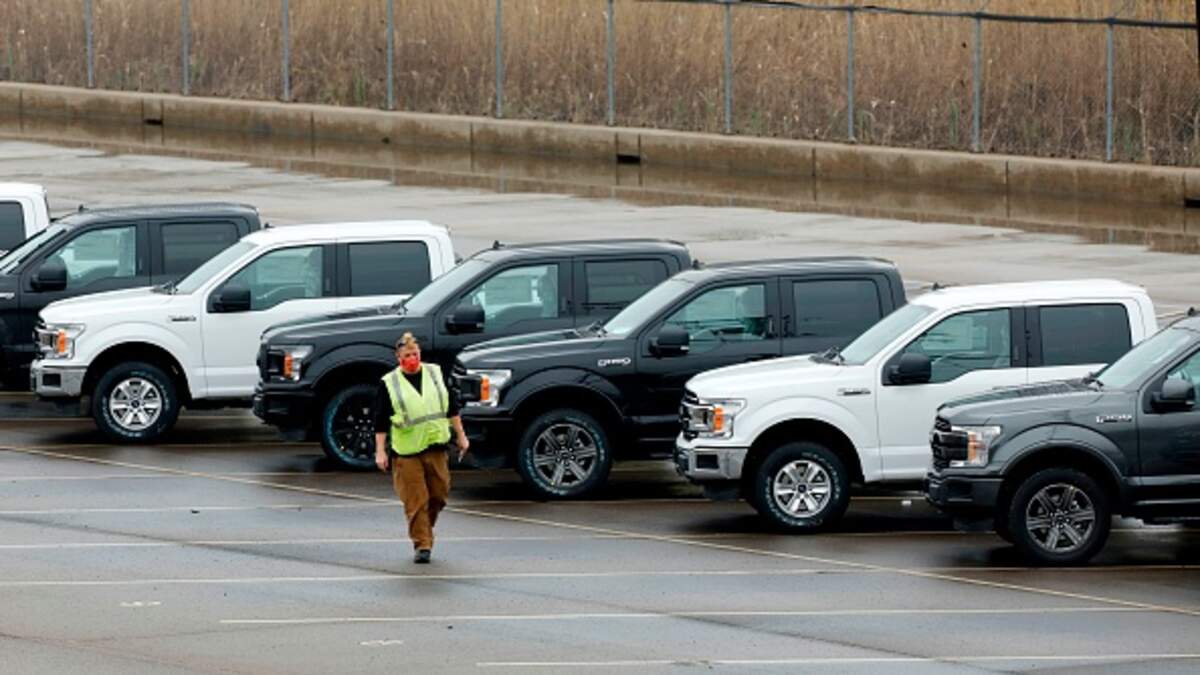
(846, 661)
(716, 614)
(680, 540)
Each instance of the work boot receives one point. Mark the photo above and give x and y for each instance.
(423, 556)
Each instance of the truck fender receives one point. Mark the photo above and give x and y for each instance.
(369, 355)
(151, 334)
(1050, 437)
(763, 419)
(565, 378)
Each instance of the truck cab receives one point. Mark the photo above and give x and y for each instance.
(142, 355)
(793, 435)
(100, 250)
(24, 211)
(559, 409)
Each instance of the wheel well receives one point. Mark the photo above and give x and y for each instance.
(1058, 458)
(803, 430)
(137, 351)
(351, 373)
(588, 401)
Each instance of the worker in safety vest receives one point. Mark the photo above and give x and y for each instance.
(415, 412)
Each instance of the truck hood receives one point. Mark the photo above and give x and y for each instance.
(343, 327)
(323, 323)
(797, 371)
(110, 306)
(527, 339)
(521, 356)
(1044, 398)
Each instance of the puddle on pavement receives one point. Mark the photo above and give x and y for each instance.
(1159, 228)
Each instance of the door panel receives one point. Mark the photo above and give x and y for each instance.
(728, 325)
(971, 352)
(1169, 442)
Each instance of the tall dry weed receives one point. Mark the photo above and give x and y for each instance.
(1043, 94)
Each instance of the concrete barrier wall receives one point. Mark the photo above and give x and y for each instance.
(931, 169)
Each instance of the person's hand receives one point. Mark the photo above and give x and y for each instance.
(381, 461)
(464, 446)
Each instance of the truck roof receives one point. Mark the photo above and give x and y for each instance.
(376, 229)
(833, 264)
(499, 251)
(22, 190)
(87, 216)
(1030, 291)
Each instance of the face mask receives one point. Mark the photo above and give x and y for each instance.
(410, 364)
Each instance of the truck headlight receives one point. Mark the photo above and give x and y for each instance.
(491, 382)
(57, 341)
(979, 442)
(293, 361)
(712, 418)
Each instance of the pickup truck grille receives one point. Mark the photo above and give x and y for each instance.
(690, 403)
(946, 444)
(269, 363)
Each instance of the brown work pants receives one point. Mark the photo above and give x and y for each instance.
(422, 482)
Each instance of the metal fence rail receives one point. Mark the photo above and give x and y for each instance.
(1109, 23)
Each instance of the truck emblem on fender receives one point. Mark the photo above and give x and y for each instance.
(604, 363)
(1113, 419)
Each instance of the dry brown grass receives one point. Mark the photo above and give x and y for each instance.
(1043, 94)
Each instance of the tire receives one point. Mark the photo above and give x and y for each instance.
(559, 446)
(347, 428)
(1046, 531)
(135, 402)
(801, 475)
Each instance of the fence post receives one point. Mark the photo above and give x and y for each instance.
(729, 66)
(499, 58)
(1108, 97)
(850, 75)
(391, 56)
(91, 48)
(977, 87)
(611, 49)
(287, 52)
(185, 39)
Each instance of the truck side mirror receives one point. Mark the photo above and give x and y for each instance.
(911, 369)
(466, 319)
(1175, 395)
(232, 298)
(671, 341)
(51, 276)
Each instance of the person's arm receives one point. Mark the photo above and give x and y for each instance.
(464, 444)
(383, 422)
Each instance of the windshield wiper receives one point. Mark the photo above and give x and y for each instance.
(1091, 379)
(832, 355)
(596, 328)
(167, 288)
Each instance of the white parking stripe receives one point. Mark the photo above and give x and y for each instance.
(845, 661)
(715, 614)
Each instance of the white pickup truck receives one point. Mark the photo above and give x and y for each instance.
(24, 211)
(143, 354)
(791, 435)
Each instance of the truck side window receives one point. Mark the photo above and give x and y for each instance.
(1083, 334)
(1189, 371)
(388, 268)
(517, 294)
(12, 225)
(966, 342)
(612, 285)
(109, 253)
(834, 308)
(185, 246)
(733, 313)
(283, 275)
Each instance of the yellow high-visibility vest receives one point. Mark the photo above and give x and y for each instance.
(418, 418)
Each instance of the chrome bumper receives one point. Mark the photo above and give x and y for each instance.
(700, 464)
(50, 381)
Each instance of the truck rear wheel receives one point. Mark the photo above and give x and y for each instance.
(801, 487)
(348, 427)
(564, 453)
(1059, 517)
(135, 402)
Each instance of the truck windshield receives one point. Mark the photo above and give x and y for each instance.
(883, 333)
(1144, 358)
(646, 307)
(215, 264)
(11, 260)
(427, 299)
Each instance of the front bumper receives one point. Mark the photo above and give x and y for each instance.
(285, 410)
(50, 380)
(963, 496)
(493, 434)
(708, 464)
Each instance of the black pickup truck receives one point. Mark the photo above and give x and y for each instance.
(1049, 465)
(105, 250)
(502, 291)
(559, 410)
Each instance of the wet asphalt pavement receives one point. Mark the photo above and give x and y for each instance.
(224, 550)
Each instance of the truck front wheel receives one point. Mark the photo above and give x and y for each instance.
(564, 454)
(135, 402)
(348, 427)
(801, 487)
(1059, 517)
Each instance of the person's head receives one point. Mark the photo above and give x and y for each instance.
(408, 353)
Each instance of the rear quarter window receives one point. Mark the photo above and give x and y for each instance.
(618, 283)
(12, 225)
(1083, 334)
(835, 308)
(388, 268)
(186, 246)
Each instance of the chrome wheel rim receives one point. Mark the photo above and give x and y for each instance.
(135, 404)
(353, 429)
(565, 455)
(802, 488)
(1060, 518)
